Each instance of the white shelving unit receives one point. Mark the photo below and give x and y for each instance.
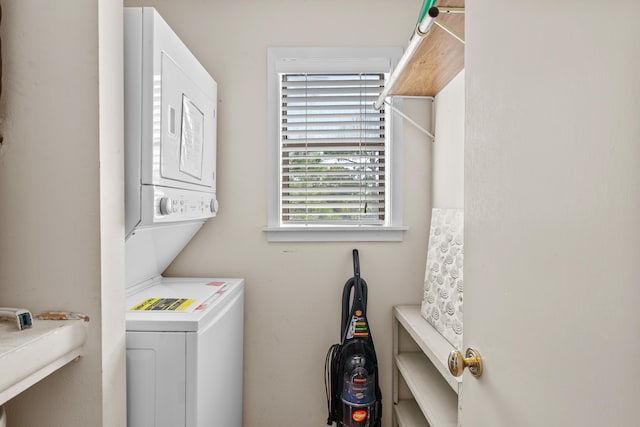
(30, 355)
(425, 372)
(407, 414)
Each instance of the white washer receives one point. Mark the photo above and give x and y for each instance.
(185, 365)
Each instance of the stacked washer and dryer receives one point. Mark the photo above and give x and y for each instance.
(184, 335)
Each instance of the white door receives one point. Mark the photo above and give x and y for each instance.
(552, 213)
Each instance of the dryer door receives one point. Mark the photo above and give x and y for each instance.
(185, 150)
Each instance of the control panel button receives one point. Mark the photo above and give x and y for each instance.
(166, 206)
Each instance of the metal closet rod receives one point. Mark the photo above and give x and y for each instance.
(422, 29)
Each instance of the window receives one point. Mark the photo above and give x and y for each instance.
(332, 150)
(334, 156)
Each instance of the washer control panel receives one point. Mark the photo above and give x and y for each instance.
(172, 205)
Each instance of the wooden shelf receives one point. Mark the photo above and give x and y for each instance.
(429, 389)
(433, 345)
(438, 59)
(30, 355)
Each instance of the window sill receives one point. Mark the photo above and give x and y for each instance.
(335, 234)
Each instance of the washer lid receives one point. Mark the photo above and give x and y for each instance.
(180, 304)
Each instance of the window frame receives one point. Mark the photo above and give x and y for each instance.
(331, 60)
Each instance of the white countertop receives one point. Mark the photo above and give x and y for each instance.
(30, 355)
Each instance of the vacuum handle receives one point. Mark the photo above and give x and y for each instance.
(359, 288)
(356, 264)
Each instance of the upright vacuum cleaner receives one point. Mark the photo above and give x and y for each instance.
(351, 368)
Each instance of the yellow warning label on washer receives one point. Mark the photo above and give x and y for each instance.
(164, 304)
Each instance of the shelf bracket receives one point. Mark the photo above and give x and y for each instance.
(450, 32)
(410, 120)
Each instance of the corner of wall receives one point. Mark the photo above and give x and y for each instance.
(448, 148)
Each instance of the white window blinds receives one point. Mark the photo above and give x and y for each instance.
(333, 150)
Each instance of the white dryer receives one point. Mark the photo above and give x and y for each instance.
(184, 335)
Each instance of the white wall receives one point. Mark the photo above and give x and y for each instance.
(294, 289)
(448, 147)
(61, 216)
(111, 155)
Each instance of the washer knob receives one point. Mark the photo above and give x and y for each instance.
(213, 205)
(166, 206)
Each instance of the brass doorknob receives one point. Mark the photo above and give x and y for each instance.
(471, 360)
